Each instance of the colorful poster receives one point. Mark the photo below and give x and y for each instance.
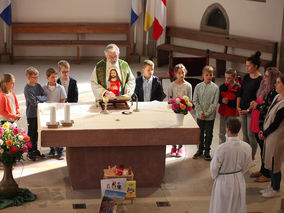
(112, 201)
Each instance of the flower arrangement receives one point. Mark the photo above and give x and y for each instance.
(14, 142)
(181, 105)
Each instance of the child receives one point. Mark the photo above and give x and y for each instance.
(228, 166)
(148, 87)
(205, 100)
(55, 93)
(179, 88)
(228, 101)
(70, 84)
(9, 107)
(34, 94)
(114, 82)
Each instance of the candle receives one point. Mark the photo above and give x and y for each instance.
(67, 113)
(53, 115)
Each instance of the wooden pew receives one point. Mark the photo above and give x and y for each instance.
(78, 29)
(165, 51)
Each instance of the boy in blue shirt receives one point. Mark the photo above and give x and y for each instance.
(55, 93)
(34, 94)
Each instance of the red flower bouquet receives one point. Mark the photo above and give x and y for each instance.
(181, 105)
(14, 142)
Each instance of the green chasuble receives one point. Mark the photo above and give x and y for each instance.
(101, 73)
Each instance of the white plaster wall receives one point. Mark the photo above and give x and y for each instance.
(68, 11)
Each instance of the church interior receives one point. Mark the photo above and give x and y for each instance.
(187, 183)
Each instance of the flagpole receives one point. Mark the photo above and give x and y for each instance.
(5, 37)
(147, 41)
(135, 38)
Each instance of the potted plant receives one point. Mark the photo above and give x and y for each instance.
(181, 106)
(14, 142)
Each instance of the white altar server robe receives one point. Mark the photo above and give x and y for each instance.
(229, 189)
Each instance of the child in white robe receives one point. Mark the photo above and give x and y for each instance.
(228, 166)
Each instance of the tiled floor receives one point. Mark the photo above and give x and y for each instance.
(187, 183)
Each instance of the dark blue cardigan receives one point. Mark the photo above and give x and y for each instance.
(72, 95)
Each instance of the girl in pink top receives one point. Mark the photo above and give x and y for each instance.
(9, 107)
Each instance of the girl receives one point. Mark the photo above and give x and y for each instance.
(8, 101)
(179, 88)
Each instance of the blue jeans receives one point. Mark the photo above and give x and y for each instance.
(222, 128)
(59, 151)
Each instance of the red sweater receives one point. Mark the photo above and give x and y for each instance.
(5, 106)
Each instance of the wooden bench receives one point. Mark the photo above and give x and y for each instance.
(78, 29)
(165, 51)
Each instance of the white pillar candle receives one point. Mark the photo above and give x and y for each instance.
(67, 113)
(52, 114)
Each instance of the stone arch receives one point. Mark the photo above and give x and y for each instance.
(215, 19)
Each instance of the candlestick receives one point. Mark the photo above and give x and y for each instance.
(67, 113)
(52, 114)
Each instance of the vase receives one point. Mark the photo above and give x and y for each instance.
(180, 118)
(8, 186)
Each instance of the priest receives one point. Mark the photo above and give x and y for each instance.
(101, 73)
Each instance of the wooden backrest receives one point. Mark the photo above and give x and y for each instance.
(83, 27)
(222, 39)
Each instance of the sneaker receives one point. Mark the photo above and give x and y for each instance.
(173, 152)
(255, 174)
(266, 189)
(31, 156)
(180, 152)
(38, 154)
(207, 157)
(59, 157)
(51, 154)
(271, 193)
(262, 179)
(198, 154)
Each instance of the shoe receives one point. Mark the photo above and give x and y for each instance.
(262, 179)
(207, 157)
(271, 193)
(198, 154)
(173, 152)
(255, 174)
(179, 152)
(265, 190)
(31, 156)
(51, 154)
(59, 157)
(38, 154)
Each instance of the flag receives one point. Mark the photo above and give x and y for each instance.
(149, 14)
(5, 11)
(136, 10)
(160, 20)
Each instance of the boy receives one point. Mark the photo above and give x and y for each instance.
(205, 100)
(228, 101)
(228, 166)
(55, 93)
(69, 84)
(148, 87)
(34, 94)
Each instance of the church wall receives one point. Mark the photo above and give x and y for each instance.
(247, 18)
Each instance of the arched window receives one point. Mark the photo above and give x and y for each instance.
(215, 19)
